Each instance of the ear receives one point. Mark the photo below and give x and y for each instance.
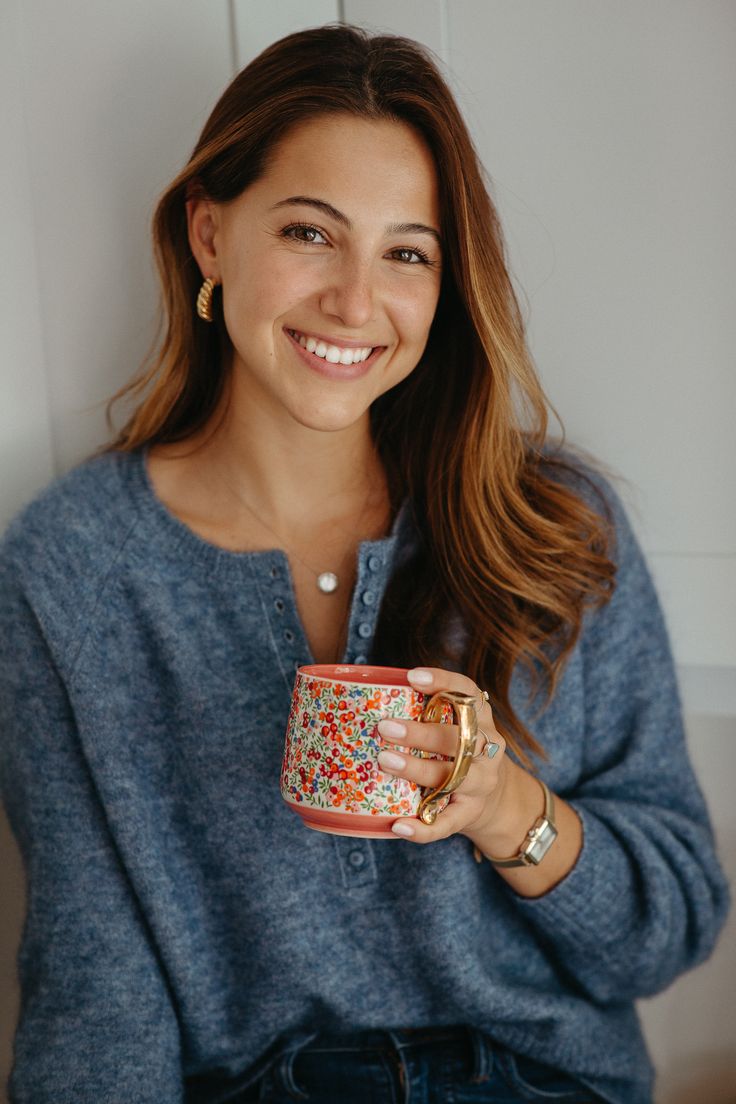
(202, 225)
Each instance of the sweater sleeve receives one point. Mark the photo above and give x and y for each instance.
(647, 897)
(96, 1021)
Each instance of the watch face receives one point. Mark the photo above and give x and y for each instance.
(543, 836)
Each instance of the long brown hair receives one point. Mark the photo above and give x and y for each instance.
(505, 542)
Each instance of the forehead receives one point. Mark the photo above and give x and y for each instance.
(361, 166)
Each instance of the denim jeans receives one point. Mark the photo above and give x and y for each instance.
(417, 1066)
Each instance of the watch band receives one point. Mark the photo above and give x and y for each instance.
(538, 840)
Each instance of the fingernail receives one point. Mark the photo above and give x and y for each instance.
(400, 829)
(390, 761)
(421, 676)
(392, 729)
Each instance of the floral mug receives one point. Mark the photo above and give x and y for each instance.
(330, 775)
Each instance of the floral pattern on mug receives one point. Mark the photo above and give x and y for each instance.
(332, 747)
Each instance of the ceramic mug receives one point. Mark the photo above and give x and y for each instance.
(330, 775)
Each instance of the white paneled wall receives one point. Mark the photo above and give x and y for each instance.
(25, 438)
(607, 133)
(613, 160)
(112, 97)
(256, 25)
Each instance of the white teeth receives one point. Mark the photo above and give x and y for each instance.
(332, 353)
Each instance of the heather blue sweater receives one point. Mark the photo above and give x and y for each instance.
(183, 925)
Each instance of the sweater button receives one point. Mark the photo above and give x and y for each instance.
(356, 859)
(369, 597)
(364, 630)
(374, 563)
(360, 660)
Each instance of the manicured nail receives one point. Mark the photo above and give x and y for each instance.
(392, 729)
(399, 828)
(390, 761)
(420, 676)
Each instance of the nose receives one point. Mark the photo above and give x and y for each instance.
(349, 294)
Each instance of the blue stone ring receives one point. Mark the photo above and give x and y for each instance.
(489, 747)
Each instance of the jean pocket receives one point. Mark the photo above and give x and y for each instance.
(535, 1081)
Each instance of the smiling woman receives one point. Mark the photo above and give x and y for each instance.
(339, 453)
(365, 277)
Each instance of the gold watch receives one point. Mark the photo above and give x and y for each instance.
(539, 838)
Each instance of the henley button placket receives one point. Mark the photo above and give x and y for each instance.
(283, 624)
(364, 630)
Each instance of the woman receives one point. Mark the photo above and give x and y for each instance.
(351, 403)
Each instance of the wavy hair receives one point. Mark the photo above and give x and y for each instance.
(506, 542)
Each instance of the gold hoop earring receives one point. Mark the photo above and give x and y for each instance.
(204, 299)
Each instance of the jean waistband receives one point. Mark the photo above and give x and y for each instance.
(379, 1039)
(476, 1047)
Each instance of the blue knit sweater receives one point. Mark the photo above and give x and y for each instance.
(184, 926)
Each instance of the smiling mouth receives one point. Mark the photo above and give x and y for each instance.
(333, 354)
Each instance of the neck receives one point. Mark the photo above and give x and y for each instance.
(292, 475)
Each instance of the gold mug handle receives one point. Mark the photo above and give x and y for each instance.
(466, 718)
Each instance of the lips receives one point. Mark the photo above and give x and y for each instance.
(332, 353)
(333, 369)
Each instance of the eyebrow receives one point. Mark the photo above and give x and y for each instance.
(338, 216)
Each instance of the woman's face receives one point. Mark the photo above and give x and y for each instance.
(330, 268)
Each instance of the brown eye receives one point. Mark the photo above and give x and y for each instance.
(303, 232)
(410, 256)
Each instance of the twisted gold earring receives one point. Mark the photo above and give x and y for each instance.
(204, 299)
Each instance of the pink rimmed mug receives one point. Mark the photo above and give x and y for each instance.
(330, 775)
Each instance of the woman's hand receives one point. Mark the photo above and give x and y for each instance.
(496, 803)
(474, 803)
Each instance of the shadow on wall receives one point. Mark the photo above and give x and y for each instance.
(708, 1086)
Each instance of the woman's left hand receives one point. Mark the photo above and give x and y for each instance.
(475, 802)
(494, 805)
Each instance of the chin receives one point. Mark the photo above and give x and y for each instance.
(325, 420)
(329, 425)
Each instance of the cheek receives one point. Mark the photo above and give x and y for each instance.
(258, 289)
(415, 312)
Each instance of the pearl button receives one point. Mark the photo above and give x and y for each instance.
(369, 597)
(364, 630)
(356, 859)
(374, 563)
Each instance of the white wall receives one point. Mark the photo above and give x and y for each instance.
(607, 132)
